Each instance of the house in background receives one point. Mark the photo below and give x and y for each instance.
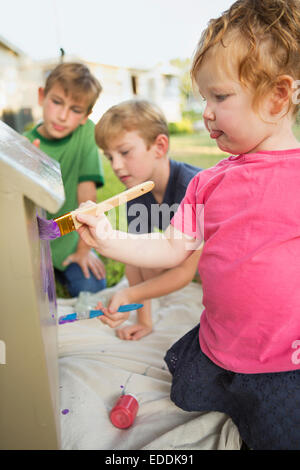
(159, 85)
(21, 77)
(16, 104)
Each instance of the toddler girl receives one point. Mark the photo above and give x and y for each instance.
(244, 358)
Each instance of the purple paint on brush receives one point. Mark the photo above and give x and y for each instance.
(48, 229)
(62, 322)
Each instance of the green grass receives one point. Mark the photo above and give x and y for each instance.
(297, 130)
(197, 149)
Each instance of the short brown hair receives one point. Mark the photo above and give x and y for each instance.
(263, 36)
(132, 115)
(77, 79)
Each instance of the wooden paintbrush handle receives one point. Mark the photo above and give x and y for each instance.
(113, 201)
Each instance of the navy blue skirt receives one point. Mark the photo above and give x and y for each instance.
(265, 407)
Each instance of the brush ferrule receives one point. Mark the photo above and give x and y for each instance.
(65, 223)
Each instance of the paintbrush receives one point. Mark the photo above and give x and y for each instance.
(71, 317)
(54, 228)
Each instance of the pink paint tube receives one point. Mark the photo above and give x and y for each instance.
(124, 412)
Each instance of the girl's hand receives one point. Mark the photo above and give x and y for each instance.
(95, 229)
(121, 297)
(111, 316)
(113, 319)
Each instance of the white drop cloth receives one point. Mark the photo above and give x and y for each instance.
(96, 367)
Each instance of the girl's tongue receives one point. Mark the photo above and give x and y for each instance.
(215, 134)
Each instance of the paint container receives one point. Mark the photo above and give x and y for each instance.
(84, 304)
(124, 412)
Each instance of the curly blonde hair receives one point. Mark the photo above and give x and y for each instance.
(262, 37)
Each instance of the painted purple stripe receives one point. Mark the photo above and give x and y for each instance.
(48, 229)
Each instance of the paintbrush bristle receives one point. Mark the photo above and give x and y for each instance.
(48, 229)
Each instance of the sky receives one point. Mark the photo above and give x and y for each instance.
(131, 33)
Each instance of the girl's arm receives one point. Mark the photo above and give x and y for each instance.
(166, 282)
(150, 250)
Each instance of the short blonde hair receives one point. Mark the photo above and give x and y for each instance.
(262, 36)
(132, 115)
(75, 78)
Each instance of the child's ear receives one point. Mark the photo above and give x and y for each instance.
(162, 145)
(282, 94)
(41, 95)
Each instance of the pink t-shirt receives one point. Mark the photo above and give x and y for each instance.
(250, 266)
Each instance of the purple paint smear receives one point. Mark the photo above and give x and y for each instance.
(48, 229)
(65, 411)
(47, 274)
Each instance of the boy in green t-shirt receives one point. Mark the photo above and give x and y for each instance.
(67, 135)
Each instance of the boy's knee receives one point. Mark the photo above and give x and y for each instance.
(133, 274)
(136, 275)
(150, 273)
(76, 282)
(91, 284)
